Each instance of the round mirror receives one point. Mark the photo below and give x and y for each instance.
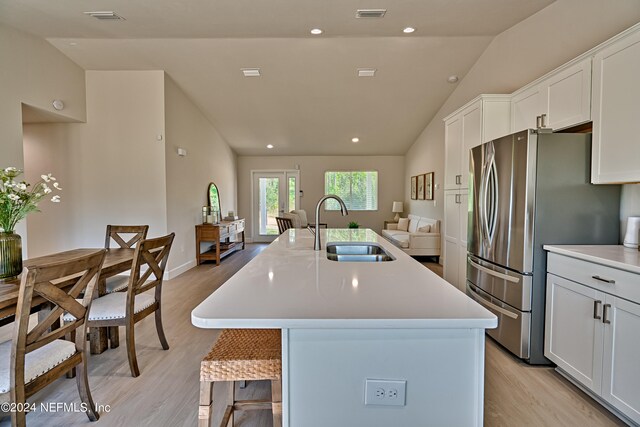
(213, 201)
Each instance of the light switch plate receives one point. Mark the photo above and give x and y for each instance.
(385, 392)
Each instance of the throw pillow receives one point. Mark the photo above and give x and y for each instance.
(425, 228)
(403, 224)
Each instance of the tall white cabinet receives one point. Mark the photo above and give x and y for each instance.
(483, 119)
(592, 322)
(616, 111)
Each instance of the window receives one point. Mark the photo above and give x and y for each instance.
(358, 189)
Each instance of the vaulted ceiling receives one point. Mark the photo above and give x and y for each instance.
(309, 99)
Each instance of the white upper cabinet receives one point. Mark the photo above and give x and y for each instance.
(568, 96)
(453, 147)
(561, 99)
(616, 111)
(483, 119)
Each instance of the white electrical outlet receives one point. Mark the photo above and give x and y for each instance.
(385, 392)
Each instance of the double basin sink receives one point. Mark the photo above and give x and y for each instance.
(357, 252)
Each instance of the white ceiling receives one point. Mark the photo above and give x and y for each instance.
(309, 100)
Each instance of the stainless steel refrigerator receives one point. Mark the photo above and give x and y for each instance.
(527, 190)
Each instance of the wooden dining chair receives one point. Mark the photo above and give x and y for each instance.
(126, 236)
(36, 357)
(284, 224)
(143, 296)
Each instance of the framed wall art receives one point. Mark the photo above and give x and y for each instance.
(428, 186)
(420, 189)
(414, 187)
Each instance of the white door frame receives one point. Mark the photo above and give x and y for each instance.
(283, 174)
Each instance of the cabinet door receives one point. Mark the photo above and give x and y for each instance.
(621, 372)
(573, 334)
(462, 240)
(451, 262)
(568, 96)
(525, 108)
(471, 137)
(451, 236)
(453, 145)
(615, 112)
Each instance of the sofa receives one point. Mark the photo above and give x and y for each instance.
(422, 237)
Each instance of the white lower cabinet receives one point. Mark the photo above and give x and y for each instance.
(593, 335)
(621, 373)
(456, 214)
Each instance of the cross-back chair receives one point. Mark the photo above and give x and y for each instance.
(128, 308)
(39, 356)
(126, 237)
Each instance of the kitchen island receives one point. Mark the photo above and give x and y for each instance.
(347, 322)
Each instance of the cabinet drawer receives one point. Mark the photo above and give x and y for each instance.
(621, 283)
(209, 233)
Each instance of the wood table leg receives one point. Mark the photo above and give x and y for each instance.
(98, 341)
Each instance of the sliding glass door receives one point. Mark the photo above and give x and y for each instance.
(274, 193)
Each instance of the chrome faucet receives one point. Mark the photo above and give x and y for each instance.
(343, 210)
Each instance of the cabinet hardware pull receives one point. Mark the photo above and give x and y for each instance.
(458, 179)
(457, 198)
(538, 122)
(595, 309)
(603, 279)
(604, 314)
(543, 119)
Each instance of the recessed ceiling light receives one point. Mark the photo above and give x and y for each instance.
(355, 140)
(452, 78)
(366, 72)
(73, 43)
(250, 72)
(269, 146)
(105, 15)
(408, 30)
(316, 31)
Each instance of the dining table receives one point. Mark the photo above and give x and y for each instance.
(116, 260)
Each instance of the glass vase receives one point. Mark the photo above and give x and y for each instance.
(10, 256)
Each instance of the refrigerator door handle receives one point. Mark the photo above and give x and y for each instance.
(478, 298)
(494, 273)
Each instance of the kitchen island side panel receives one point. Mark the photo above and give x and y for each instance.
(326, 370)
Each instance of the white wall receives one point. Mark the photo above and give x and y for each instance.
(111, 168)
(208, 159)
(46, 150)
(312, 168)
(519, 55)
(35, 73)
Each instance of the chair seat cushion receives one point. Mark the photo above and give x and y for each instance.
(36, 363)
(113, 306)
(117, 283)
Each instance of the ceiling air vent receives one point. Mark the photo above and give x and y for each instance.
(250, 72)
(105, 15)
(370, 13)
(366, 72)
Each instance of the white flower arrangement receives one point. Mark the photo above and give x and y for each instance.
(17, 200)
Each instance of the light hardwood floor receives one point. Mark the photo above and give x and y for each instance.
(166, 393)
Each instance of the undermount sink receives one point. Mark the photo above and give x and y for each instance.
(357, 252)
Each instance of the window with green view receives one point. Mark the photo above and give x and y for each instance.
(358, 189)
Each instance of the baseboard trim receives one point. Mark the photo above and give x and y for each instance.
(175, 272)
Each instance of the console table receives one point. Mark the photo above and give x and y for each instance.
(226, 236)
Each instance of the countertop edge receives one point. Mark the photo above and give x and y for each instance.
(210, 323)
(567, 251)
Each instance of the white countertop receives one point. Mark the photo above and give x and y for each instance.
(616, 256)
(289, 285)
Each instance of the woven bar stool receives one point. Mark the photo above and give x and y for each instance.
(239, 355)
